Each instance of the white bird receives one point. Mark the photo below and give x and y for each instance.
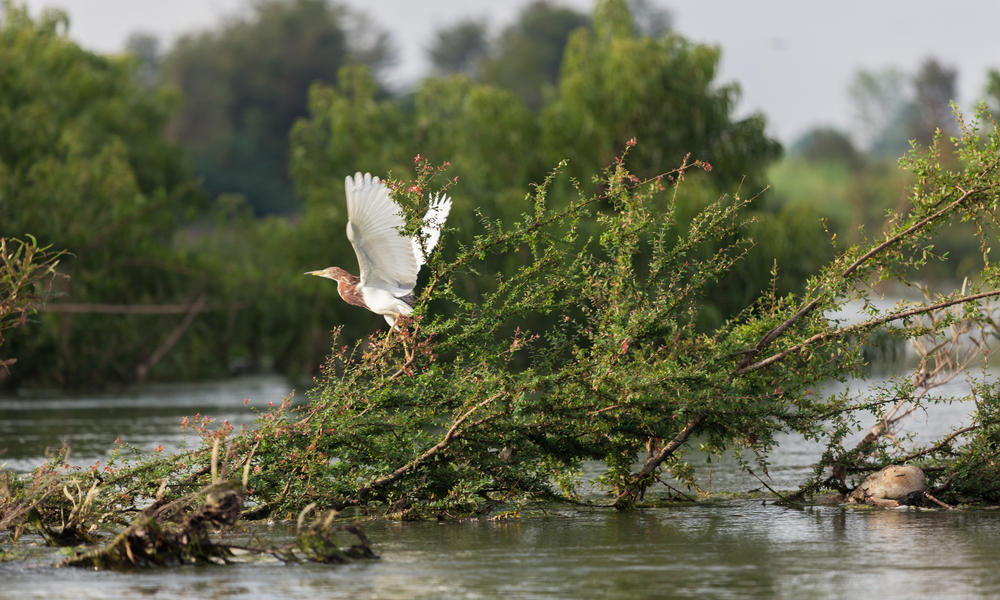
(388, 260)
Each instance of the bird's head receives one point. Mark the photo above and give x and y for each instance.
(335, 273)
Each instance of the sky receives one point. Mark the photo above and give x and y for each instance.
(793, 59)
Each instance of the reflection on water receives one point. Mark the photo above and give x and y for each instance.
(738, 549)
(145, 419)
(731, 549)
(792, 463)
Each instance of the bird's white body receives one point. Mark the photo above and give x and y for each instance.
(383, 302)
(388, 260)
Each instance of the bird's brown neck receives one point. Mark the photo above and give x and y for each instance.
(347, 287)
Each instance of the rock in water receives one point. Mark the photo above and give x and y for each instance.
(891, 483)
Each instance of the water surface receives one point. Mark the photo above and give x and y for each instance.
(716, 549)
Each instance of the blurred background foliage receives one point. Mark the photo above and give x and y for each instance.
(193, 185)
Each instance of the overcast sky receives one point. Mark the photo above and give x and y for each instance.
(792, 58)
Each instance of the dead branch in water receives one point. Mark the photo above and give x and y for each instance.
(180, 533)
(939, 363)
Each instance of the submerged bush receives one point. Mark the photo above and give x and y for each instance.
(624, 371)
(470, 410)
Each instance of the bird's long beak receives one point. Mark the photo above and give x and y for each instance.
(316, 273)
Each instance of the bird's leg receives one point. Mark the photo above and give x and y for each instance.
(408, 353)
(408, 350)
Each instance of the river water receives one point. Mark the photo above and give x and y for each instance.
(715, 549)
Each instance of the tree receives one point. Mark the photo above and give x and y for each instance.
(84, 166)
(244, 86)
(145, 48)
(933, 92)
(615, 86)
(826, 144)
(893, 107)
(880, 101)
(526, 56)
(529, 52)
(993, 91)
(649, 19)
(459, 48)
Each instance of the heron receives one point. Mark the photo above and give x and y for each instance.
(388, 260)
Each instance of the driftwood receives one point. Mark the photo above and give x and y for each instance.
(180, 533)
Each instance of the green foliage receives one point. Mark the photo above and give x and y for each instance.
(97, 178)
(245, 85)
(24, 266)
(976, 470)
(615, 86)
(940, 196)
(624, 363)
(857, 192)
(662, 91)
(993, 91)
(83, 168)
(529, 52)
(157, 282)
(622, 369)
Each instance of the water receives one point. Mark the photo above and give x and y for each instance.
(718, 549)
(739, 549)
(144, 419)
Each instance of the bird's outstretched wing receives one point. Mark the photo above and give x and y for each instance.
(385, 257)
(430, 232)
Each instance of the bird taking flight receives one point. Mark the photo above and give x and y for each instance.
(388, 260)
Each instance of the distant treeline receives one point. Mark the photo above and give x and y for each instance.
(192, 188)
(855, 181)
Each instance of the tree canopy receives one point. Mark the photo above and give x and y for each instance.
(893, 107)
(84, 167)
(244, 85)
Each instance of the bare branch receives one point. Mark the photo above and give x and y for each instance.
(826, 335)
(773, 334)
(454, 432)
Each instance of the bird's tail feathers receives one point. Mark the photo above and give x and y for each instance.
(430, 233)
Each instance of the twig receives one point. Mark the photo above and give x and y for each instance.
(938, 502)
(605, 409)
(786, 499)
(453, 433)
(677, 491)
(654, 461)
(861, 326)
(939, 445)
(773, 334)
(405, 366)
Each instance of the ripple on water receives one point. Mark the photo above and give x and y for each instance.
(733, 549)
